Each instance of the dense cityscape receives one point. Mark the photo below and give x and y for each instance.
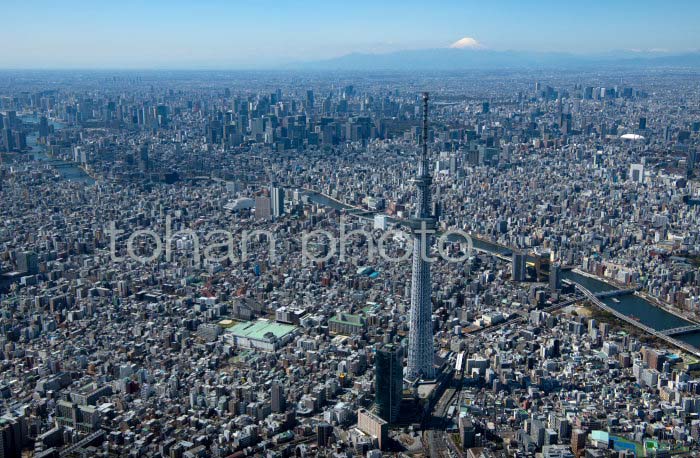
(232, 264)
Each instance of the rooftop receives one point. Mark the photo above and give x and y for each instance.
(347, 318)
(260, 328)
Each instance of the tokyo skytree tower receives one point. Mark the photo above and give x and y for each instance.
(420, 337)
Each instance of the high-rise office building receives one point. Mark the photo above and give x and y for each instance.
(43, 127)
(537, 430)
(388, 382)
(11, 437)
(323, 434)
(637, 173)
(467, 432)
(420, 338)
(11, 120)
(144, 163)
(262, 207)
(161, 112)
(578, 439)
(519, 266)
(555, 277)
(277, 200)
(654, 358)
(20, 141)
(278, 399)
(8, 139)
(310, 101)
(27, 262)
(374, 426)
(642, 123)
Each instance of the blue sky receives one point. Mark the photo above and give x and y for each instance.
(266, 33)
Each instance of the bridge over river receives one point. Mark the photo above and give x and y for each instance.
(663, 323)
(659, 334)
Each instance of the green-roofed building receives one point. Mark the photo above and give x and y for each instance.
(260, 334)
(346, 324)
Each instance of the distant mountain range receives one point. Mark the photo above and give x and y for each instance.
(446, 59)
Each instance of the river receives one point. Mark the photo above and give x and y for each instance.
(68, 170)
(630, 305)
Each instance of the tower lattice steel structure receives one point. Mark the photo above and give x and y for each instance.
(420, 338)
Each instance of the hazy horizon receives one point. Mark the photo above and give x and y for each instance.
(239, 35)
